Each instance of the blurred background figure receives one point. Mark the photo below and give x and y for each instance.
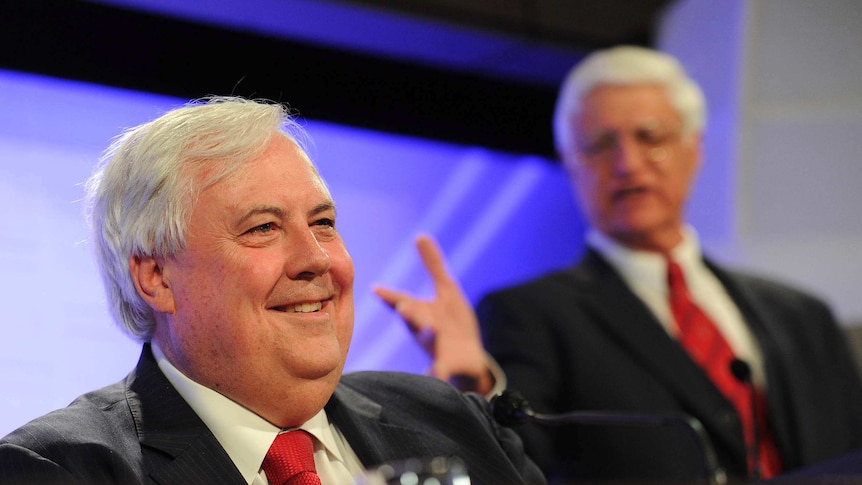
(645, 322)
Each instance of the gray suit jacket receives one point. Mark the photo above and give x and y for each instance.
(141, 431)
(580, 339)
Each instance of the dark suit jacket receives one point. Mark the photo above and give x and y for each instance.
(142, 431)
(580, 339)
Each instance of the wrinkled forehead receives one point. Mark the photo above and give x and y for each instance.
(625, 106)
(206, 172)
(305, 159)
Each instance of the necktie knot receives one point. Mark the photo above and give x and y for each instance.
(290, 460)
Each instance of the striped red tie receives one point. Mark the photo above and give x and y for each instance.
(708, 348)
(290, 460)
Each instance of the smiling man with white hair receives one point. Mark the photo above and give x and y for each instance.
(218, 245)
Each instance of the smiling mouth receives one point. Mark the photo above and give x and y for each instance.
(300, 308)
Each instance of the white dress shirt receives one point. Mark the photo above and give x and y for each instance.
(646, 275)
(246, 437)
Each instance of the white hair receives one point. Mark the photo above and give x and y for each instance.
(142, 193)
(626, 65)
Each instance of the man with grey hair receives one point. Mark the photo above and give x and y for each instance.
(644, 323)
(218, 246)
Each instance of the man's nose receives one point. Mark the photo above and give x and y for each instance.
(307, 258)
(629, 156)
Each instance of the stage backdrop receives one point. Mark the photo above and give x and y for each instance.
(501, 218)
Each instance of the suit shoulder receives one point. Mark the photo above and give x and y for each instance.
(772, 290)
(388, 383)
(93, 440)
(425, 417)
(407, 393)
(556, 281)
(93, 420)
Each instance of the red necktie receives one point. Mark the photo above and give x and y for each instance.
(708, 348)
(290, 460)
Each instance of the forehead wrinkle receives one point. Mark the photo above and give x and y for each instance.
(262, 209)
(662, 126)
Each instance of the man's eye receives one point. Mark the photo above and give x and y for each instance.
(262, 229)
(654, 137)
(651, 138)
(597, 145)
(325, 222)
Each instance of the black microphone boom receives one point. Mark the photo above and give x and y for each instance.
(510, 407)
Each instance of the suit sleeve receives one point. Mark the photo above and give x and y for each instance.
(22, 466)
(523, 342)
(814, 383)
(77, 444)
(825, 364)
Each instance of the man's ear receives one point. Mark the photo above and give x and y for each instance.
(148, 275)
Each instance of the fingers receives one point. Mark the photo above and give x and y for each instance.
(404, 304)
(432, 258)
(438, 370)
(390, 297)
(425, 337)
(408, 308)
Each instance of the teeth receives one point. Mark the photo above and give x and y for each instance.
(307, 307)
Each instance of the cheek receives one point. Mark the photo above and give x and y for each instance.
(212, 294)
(690, 165)
(260, 273)
(259, 270)
(343, 274)
(345, 322)
(681, 184)
(194, 281)
(342, 267)
(591, 190)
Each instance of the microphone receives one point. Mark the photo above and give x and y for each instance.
(742, 372)
(510, 407)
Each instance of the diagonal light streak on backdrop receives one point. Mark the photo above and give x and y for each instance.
(495, 218)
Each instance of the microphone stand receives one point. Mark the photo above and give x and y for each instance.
(509, 407)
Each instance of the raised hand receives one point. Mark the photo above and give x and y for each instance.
(446, 326)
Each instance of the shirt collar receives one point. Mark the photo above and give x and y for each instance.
(245, 436)
(646, 267)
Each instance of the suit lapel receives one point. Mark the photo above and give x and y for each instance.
(374, 440)
(177, 446)
(639, 333)
(771, 339)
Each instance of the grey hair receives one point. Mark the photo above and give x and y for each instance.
(142, 193)
(626, 65)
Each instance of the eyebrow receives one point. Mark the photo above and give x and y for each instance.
(280, 213)
(322, 207)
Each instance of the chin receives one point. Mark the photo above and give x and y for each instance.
(637, 223)
(318, 368)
